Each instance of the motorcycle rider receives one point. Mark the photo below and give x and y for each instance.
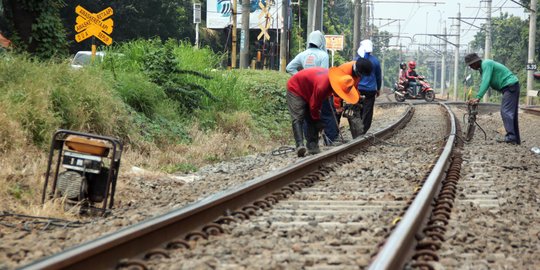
(402, 78)
(412, 76)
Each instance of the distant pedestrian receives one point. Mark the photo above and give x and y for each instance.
(316, 56)
(307, 89)
(370, 85)
(501, 79)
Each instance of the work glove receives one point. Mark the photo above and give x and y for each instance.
(473, 101)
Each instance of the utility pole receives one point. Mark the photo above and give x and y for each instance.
(314, 15)
(532, 40)
(244, 36)
(356, 26)
(456, 57)
(443, 64)
(398, 40)
(233, 47)
(435, 77)
(319, 15)
(487, 47)
(310, 15)
(284, 42)
(364, 22)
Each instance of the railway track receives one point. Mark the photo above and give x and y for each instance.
(338, 222)
(483, 214)
(180, 228)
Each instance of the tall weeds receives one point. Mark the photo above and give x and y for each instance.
(171, 105)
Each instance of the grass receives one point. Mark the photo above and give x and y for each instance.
(120, 98)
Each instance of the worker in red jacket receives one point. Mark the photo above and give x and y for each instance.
(306, 91)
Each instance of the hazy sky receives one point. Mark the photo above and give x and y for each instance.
(421, 18)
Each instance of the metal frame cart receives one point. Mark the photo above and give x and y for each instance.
(85, 169)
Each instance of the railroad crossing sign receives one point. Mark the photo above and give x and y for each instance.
(265, 24)
(93, 24)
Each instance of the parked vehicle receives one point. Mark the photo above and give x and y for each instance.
(426, 92)
(84, 58)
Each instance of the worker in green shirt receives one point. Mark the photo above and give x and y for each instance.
(501, 79)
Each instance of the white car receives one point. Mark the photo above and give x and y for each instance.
(83, 58)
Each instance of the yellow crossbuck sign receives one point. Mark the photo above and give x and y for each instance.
(93, 24)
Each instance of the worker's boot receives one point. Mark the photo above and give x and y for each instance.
(299, 139)
(356, 123)
(313, 139)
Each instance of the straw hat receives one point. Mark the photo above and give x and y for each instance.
(343, 83)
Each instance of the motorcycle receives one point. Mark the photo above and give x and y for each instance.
(426, 92)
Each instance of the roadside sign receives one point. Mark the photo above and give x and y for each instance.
(533, 93)
(196, 13)
(531, 66)
(94, 24)
(334, 42)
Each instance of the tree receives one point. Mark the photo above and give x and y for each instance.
(35, 26)
(510, 50)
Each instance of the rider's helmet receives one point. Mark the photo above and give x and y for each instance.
(412, 64)
(402, 66)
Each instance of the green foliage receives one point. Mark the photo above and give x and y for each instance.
(162, 129)
(43, 96)
(162, 65)
(135, 19)
(38, 26)
(268, 88)
(140, 94)
(18, 191)
(132, 102)
(180, 168)
(339, 20)
(511, 51)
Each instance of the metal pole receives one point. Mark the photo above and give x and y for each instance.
(356, 26)
(244, 35)
(382, 69)
(435, 75)
(532, 40)
(487, 47)
(197, 35)
(364, 21)
(319, 15)
(311, 14)
(233, 47)
(284, 42)
(456, 57)
(399, 41)
(443, 64)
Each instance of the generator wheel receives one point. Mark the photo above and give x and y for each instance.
(71, 185)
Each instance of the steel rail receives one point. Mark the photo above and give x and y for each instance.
(398, 247)
(534, 110)
(131, 242)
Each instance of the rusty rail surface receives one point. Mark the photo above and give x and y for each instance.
(132, 242)
(532, 110)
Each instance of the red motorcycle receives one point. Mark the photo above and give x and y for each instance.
(402, 93)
